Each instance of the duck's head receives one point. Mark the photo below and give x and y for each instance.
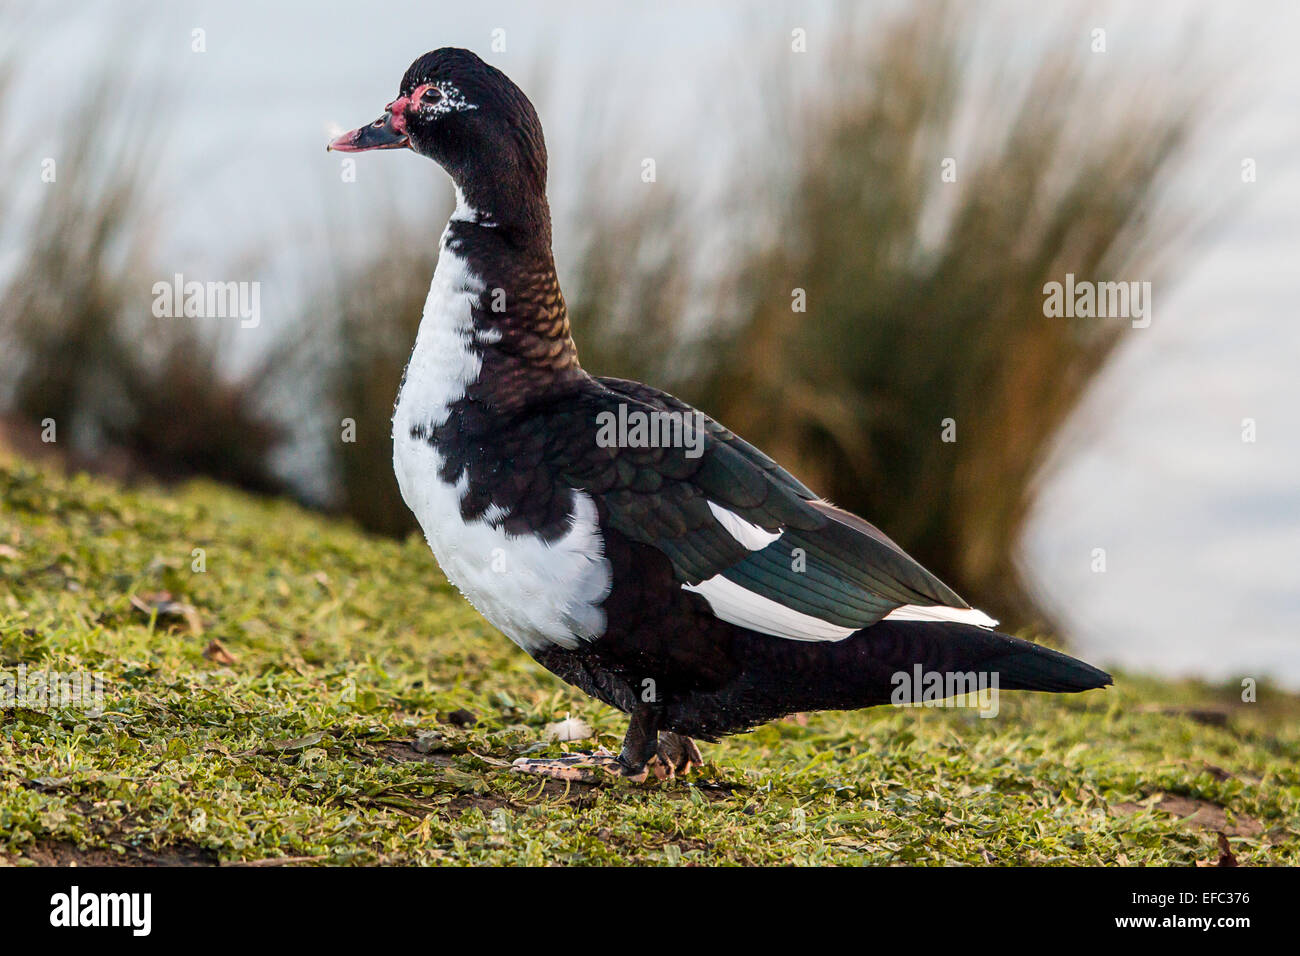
(473, 121)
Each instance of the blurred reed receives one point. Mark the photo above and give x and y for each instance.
(127, 392)
(356, 333)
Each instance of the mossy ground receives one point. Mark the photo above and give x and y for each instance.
(296, 744)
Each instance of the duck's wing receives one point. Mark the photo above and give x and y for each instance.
(738, 529)
(662, 400)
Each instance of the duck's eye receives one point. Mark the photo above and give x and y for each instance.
(431, 97)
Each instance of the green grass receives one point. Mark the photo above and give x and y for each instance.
(346, 646)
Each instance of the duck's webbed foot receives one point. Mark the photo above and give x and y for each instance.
(580, 768)
(647, 754)
(676, 754)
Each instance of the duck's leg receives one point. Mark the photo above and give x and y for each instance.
(645, 751)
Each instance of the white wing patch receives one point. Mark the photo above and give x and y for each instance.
(750, 535)
(738, 605)
(955, 615)
(742, 607)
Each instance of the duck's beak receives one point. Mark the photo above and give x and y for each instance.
(387, 132)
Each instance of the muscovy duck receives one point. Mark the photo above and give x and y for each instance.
(690, 582)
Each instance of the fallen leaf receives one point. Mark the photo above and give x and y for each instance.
(298, 743)
(217, 653)
(161, 604)
(461, 718)
(1226, 858)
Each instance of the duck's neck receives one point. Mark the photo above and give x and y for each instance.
(512, 203)
(495, 331)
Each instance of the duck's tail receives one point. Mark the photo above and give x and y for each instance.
(942, 647)
(891, 662)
